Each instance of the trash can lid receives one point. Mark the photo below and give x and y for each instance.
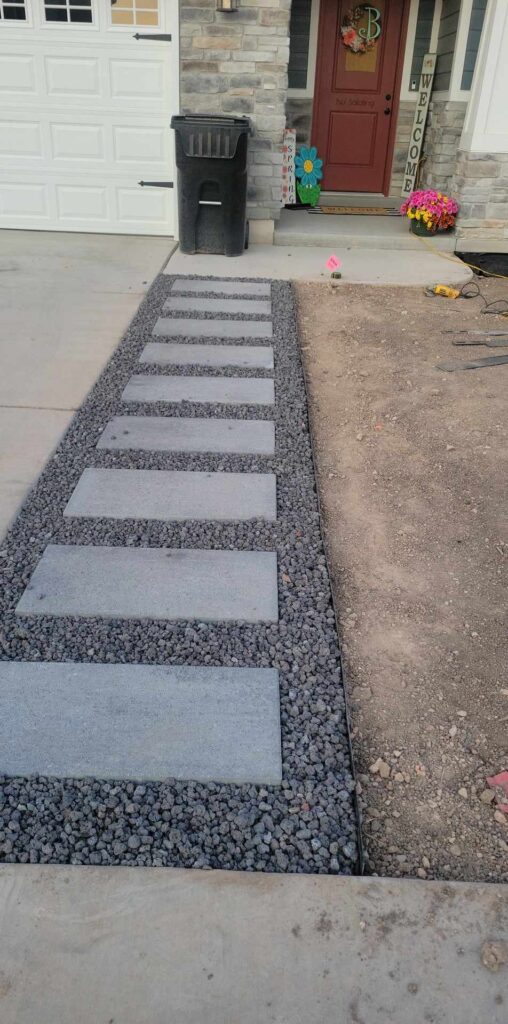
(210, 120)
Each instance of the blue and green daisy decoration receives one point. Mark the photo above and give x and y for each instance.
(309, 171)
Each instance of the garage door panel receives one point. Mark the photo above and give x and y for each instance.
(17, 74)
(20, 139)
(75, 202)
(78, 142)
(27, 202)
(84, 116)
(69, 77)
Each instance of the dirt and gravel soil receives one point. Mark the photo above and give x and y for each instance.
(412, 470)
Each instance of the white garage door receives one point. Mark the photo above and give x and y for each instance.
(87, 90)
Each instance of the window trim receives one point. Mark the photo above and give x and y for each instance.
(46, 5)
(14, 21)
(308, 92)
(135, 24)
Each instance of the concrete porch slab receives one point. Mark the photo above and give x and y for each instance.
(299, 227)
(152, 945)
(419, 268)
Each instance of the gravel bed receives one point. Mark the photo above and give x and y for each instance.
(309, 823)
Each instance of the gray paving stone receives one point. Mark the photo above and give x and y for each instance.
(140, 722)
(168, 353)
(153, 583)
(224, 390)
(181, 327)
(202, 304)
(227, 287)
(168, 496)
(182, 434)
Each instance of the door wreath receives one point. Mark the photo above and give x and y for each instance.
(359, 40)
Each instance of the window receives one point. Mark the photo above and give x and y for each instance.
(422, 40)
(12, 10)
(473, 41)
(299, 37)
(76, 11)
(134, 12)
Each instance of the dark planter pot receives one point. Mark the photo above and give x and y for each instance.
(419, 228)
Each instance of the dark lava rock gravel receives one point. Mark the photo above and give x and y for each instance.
(306, 825)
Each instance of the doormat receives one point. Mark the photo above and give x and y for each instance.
(357, 211)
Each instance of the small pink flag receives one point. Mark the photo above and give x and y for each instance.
(333, 263)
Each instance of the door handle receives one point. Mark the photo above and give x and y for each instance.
(388, 110)
(388, 96)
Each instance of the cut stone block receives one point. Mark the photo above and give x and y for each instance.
(169, 496)
(182, 327)
(153, 583)
(208, 286)
(168, 353)
(201, 304)
(140, 722)
(225, 390)
(187, 434)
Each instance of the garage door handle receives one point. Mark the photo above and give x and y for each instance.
(153, 35)
(157, 184)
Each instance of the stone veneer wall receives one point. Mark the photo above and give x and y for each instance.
(480, 183)
(237, 64)
(441, 143)
(299, 116)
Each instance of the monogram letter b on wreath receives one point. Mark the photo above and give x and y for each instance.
(361, 27)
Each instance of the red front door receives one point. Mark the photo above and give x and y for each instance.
(355, 104)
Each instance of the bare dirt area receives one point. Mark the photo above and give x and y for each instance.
(412, 472)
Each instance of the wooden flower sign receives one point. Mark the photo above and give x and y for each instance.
(308, 171)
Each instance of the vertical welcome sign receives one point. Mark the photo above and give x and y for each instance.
(420, 118)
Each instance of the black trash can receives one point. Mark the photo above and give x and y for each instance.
(211, 158)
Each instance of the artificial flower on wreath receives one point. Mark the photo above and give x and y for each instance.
(435, 210)
(349, 30)
(308, 171)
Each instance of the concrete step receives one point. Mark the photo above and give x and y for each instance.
(153, 583)
(183, 434)
(180, 327)
(207, 390)
(300, 228)
(169, 496)
(140, 722)
(140, 945)
(199, 304)
(168, 353)
(211, 286)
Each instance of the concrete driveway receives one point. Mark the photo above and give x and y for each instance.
(65, 301)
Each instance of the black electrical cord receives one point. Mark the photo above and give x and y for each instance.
(473, 291)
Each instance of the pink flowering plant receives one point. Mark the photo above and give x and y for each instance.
(432, 209)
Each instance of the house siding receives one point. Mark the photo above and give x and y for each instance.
(446, 44)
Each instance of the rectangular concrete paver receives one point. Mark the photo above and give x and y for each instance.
(183, 434)
(168, 353)
(143, 945)
(153, 583)
(225, 390)
(208, 286)
(140, 722)
(202, 304)
(169, 496)
(182, 327)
